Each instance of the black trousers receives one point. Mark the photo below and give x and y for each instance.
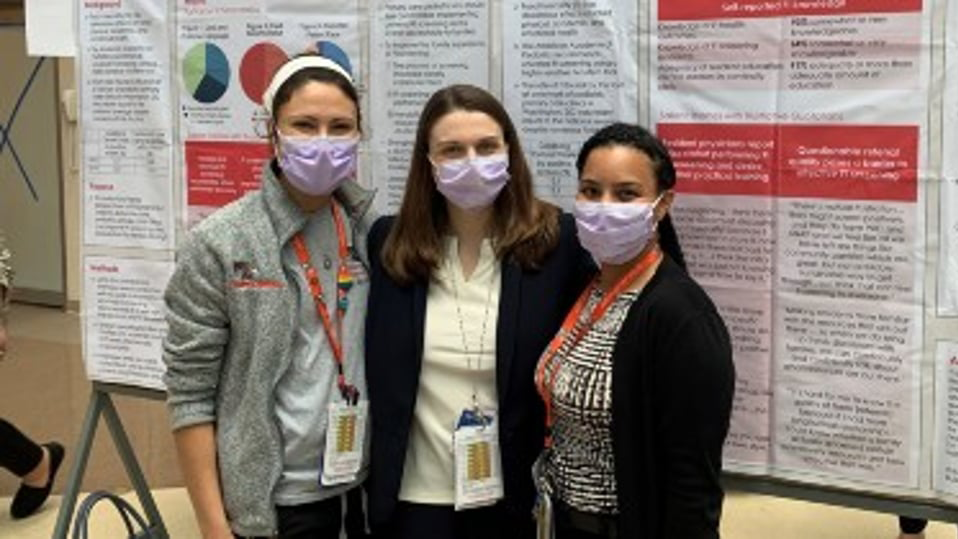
(323, 519)
(18, 453)
(569, 524)
(567, 532)
(312, 520)
(911, 525)
(418, 521)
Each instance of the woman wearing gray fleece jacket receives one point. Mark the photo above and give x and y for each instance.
(261, 363)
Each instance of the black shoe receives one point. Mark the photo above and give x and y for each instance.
(28, 499)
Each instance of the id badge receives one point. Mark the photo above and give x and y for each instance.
(477, 461)
(543, 510)
(345, 442)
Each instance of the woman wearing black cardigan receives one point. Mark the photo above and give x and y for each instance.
(638, 382)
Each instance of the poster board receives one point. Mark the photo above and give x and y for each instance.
(809, 195)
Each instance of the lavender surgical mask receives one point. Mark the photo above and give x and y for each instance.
(473, 183)
(615, 232)
(317, 165)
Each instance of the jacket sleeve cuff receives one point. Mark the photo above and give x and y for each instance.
(184, 415)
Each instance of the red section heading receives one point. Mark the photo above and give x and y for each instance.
(722, 159)
(693, 10)
(844, 162)
(219, 172)
(849, 162)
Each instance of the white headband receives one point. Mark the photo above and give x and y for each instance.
(294, 66)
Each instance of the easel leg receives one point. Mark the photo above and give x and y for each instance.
(87, 432)
(100, 402)
(133, 470)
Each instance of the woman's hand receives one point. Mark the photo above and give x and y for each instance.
(196, 449)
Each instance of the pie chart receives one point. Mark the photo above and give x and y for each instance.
(257, 67)
(335, 53)
(206, 72)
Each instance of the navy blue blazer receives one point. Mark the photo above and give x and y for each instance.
(532, 305)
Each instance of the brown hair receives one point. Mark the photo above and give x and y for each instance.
(524, 228)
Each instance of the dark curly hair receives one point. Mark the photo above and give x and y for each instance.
(636, 136)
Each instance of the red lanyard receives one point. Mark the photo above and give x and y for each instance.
(344, 281)
(548, 365)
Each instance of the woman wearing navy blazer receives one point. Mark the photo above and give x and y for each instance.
(469, 283)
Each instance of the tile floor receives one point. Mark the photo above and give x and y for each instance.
(747, 516)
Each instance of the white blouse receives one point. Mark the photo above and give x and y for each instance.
(459, 358)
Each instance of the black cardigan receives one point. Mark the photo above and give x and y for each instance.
(672, 386)
(532, 305)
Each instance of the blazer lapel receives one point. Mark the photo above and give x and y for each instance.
(408, 367)
(509, 305)
(418, 324)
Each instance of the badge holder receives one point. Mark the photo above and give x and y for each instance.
(345, 442)
(478, 466)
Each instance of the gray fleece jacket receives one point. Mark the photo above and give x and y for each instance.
(231, 311)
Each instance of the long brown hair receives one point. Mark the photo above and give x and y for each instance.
(524, 228)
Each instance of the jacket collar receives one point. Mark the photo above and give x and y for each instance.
(288, 218)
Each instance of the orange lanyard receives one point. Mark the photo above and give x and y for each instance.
(344, 281)
(548, 367)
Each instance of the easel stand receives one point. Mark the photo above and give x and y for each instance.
(101, 403)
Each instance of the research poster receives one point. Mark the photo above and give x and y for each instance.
(227, 52)
(568, 69)
(798, 131)
(124, 113)
(124, 319)
(417, 47)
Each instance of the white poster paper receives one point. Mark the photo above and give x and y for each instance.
(945, 480)
(227, 53)
(847, 341)
(748, 318)
(125, 116)
(51, 27)
(948, 196)
(124, 320)
(418, 47)
(729, 247)
(569, 69)
(948, 250)
(950, 94)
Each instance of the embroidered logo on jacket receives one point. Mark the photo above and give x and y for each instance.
(245, 275)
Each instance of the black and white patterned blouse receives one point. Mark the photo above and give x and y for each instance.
(581, 465)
